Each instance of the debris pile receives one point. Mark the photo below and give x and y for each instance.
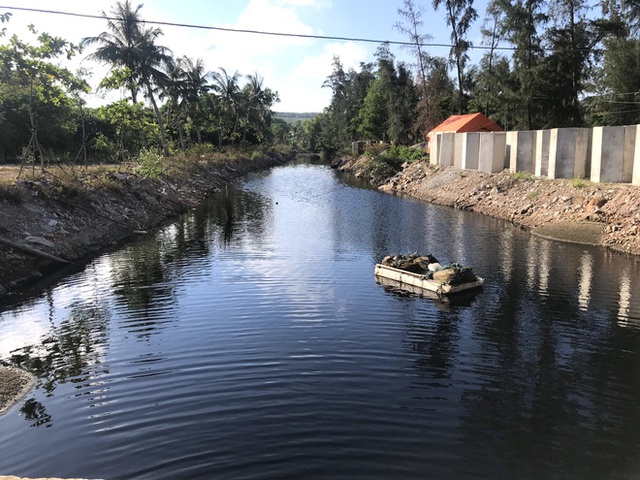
(428, 266)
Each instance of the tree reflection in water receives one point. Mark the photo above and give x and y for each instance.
(69, 353)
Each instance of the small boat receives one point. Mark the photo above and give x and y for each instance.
(421, 281)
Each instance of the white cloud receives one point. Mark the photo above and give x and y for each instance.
(295, 67)
(302, 89)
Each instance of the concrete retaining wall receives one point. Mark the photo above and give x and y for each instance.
(601, 154)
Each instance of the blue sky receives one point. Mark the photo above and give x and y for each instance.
(295, 67)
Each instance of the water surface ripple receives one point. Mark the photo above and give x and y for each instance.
(248, 339)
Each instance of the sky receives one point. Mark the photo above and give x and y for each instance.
(294, 67)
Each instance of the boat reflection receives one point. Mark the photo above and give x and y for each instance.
(443, 302)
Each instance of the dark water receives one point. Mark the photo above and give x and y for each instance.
(250, 340)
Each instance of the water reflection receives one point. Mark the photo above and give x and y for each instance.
(255, 320)
(625, 298)
(586, 279)
(71, 351)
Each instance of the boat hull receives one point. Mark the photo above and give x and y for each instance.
(420, 281)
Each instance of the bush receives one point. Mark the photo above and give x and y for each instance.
(150, 164)
(579, 182)
(406, 154)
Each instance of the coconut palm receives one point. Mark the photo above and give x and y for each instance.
(130, 46)
(196, 83)
(226, 86)
(257, 102)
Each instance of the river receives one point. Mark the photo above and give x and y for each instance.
(249, 339)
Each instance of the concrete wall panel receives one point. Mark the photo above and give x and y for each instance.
(522, 152)
(568, 151)
(457, 153)
(470, 150)
(447, 150)
(492, 152)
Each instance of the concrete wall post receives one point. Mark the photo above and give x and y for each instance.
(541, 168)
(635, 178)
(434, 149)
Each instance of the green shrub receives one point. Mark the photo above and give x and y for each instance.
(533, 194)
(579, 182)
(150, 164)
(406, 154)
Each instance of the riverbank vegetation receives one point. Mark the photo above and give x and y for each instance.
(546, 65)
(43, 106)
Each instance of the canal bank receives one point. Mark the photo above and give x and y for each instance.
(50, 225)
(52, 222)
(573, 210)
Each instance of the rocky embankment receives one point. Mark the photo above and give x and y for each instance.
(47, 224)
(567, 210)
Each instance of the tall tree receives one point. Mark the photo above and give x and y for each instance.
(340, 125)
(258, 101)
(36, 107)
(226, 103)
(616, 83)
(440, 93)
(131, 46)
(521, 23)
(411, 26)
(460, 15)
(195, 85)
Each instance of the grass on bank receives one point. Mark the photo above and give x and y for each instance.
(77, 181)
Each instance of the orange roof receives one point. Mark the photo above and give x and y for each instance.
(472, 122)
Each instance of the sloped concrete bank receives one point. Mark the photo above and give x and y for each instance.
(51, 226)
(575, 211)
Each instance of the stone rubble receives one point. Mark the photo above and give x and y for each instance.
(573, 206)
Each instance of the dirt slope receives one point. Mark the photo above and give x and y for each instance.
(69, 224)
(567, 210)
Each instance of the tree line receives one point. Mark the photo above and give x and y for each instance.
(547, 64)
(43, 113)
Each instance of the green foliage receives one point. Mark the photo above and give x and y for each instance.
(522, 176)
(407, 154)
(384, 161)
(617, 85)
(37, 96)
(380, 168)
(579, 182)
(126, 129)
(150, 163)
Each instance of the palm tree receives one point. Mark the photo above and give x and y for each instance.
(226, 86)
(258, 106)
(130, 47)
(196, 84)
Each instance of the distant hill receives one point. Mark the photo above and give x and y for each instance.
(291, 117)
